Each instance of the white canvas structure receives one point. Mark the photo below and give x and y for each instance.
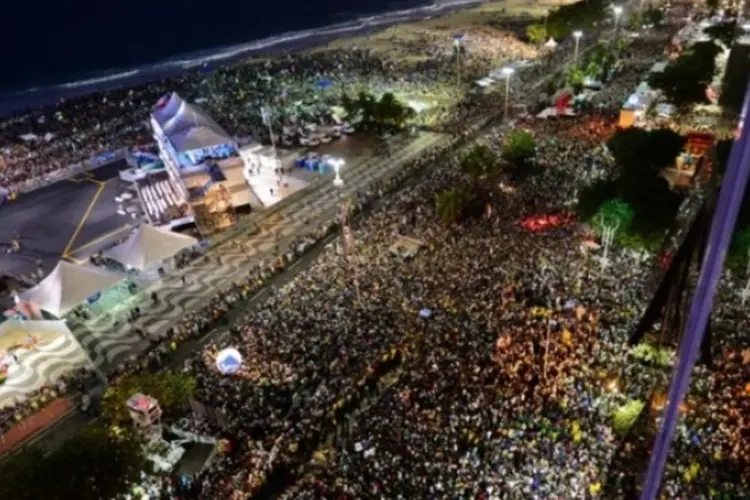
(187, 126)
(67, 286)
(149, 246)
(34, 354)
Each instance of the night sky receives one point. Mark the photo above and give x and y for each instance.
(53, 41)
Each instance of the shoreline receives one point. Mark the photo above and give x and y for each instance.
(452, 15)
(180, 65)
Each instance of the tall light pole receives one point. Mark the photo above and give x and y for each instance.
(265, 114)
(457, 44)
(577, 35)
(507, 71)
(618, 12)
(337, 163)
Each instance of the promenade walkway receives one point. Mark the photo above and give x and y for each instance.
(110, 340)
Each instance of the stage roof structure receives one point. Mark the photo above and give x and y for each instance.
(67, 286)
(38, 353)
(187, 126)
(149, 246)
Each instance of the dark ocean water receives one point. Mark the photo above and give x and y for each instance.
(59, 46)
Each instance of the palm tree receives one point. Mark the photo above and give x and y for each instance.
(351, 108)
(390, 112)
(449, 204)
(367, 106)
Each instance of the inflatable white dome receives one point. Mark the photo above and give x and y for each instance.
(228, 361)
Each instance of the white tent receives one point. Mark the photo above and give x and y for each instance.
(67, 286)
(149, 246)
(187, 126)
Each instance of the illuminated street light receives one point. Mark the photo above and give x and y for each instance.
(618, 12)
(507, 71)
(337, 163)
(577, 35)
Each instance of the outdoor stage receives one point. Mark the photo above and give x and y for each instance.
(61, 220)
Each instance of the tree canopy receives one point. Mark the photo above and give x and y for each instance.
(639, 198)
(479, 162)
(173, 390)
(581, 15)
(449, 204)
(636, 148)
(685, 79)
(518, 150)
(536, 33)
(724, 32)
(94, 464)
(384, 113)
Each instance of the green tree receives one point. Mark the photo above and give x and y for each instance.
(594, 196)
(684, 80)
(449, 204)
(94, 464)
(519, 148)
(653, 16)
(367, 107)
(737, 258)
(536, 33)
(613, 212)
(351, 108)
(635, 22)
(574, 79)
(173, 390)
(723, 32)
(575, 16)
(479, 162)
(636, 148)
(641, 156)
(390, 112)
(602, 56)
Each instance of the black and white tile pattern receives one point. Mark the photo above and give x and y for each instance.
(110, 343)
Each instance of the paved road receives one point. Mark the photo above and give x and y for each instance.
(69, 213)
(110, 344)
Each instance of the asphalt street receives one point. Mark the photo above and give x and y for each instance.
(65, 215)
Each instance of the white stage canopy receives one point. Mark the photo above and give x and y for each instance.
(187, 126)
(34, 354)
(67, 286)
(149, 246)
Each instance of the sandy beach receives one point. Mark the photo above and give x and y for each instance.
(489, 28)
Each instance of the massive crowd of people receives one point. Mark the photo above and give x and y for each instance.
(38, 146)
(474, 369)
(488, 365)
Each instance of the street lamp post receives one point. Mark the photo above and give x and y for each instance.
(618, 12)
(265, 113)
(457, 44)
(337, 163)
(577, 35)
(507, 71)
